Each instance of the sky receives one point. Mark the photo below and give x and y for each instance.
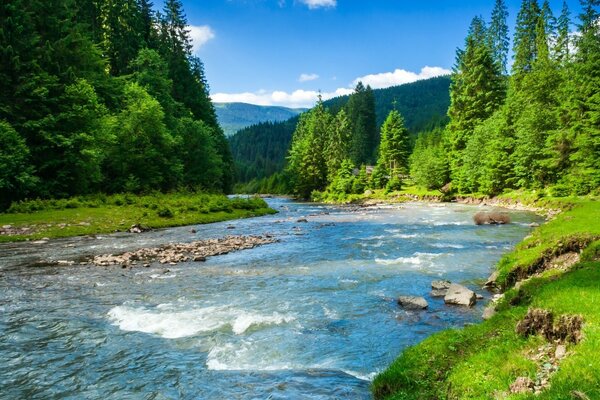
(286, 52)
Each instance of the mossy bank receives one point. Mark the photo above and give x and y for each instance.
(554, 272)
(37, 219)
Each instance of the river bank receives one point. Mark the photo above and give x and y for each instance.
(49, 219)
(554, 272)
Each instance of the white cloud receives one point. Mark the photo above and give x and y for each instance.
(200, 35)
(312, 4)
(400, 77)
(307, 98)
(308, 77)
(298, 98)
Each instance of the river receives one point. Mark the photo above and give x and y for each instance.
(310, 317)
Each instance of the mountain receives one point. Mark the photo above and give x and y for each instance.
(235, 116)
(260, 150)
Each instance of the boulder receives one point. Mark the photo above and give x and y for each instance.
(441, 285)
(302, 220)
(491, 281)
(138, 228)
(460, 295)
(439, 288)
(412, 302)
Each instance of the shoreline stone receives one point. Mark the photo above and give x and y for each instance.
(174, 253)
(460, 295)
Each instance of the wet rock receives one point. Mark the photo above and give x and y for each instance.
(491, 218)
(491, 281)
(302, 220)
(412, 302)
(438, 292)
(39, 242)
(441, 285)
(460, 295)
(534, 225)
(138, 228)
(478, 296)
(230, 227)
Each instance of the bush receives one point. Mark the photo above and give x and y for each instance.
(165, 212)
(393, 185)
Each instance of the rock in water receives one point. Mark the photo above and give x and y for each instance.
(460, 295)
(412, 302)
(439, 288)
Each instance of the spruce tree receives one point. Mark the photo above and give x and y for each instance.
(524, 44)
(563, 41)
(361, 112)
(498, 35)
(337, 146)
(394, 148)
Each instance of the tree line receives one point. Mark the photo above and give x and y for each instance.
(104, 96)
(537, 128)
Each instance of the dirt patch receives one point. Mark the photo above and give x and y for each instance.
(538, 321)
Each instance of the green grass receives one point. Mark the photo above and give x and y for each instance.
(105, 214)
(481, 361)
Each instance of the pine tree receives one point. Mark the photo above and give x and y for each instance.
(361, 112)
(394, 149)
(550, 23)
(498, 35)
(524, 46)
(337, 146)
(477, 90)
(563, 40)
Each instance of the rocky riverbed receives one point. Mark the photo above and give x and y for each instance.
(183, 252)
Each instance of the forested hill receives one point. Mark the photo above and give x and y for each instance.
(104, 96)
(235, 116)
(260, 150)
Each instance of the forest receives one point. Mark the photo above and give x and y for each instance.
(104, 96)
(535, 128)
(260, 150)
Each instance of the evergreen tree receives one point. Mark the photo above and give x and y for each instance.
(306, 162)
(394, 149)
(428, 162)
(361, 112)
(16, 172)
(498, 35)
(337, 146)
(524, 44)
(477, 90)
(563, 40)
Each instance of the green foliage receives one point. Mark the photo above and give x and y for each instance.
(428, 163)
(394, 148)
(16, 172)
(66, 90)
(361, 114)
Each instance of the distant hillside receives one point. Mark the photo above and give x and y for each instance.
(235, 116)
(260, 150)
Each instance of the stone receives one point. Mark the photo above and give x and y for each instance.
(523, 384)
(460, 295)
(138, 228)
(192, 231)
(302, 220)
(6, 226)
(534, 225)
(412, 302)
(491, 281)
(441, 285)
(489, 312)
(560, 352)
(438, 292)
(479, 296)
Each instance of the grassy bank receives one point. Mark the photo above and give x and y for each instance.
(36, 219)
(483, 361)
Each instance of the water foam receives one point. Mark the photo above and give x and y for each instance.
(170, 323)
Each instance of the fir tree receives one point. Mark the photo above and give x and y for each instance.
(563, 40)
(394, 148)
(524, 46)
(498, 35)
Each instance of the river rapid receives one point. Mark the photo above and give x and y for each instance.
(310, 317)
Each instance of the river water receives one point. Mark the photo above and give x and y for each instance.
(310, 317)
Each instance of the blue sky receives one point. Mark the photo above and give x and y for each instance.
(283, 52)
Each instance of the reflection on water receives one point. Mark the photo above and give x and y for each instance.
(310, 317)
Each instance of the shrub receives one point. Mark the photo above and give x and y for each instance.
(165, 212)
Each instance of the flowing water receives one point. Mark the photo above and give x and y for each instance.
(310, 317)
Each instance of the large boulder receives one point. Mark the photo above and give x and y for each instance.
(439, 288)
(460, 296)
(412, 302)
